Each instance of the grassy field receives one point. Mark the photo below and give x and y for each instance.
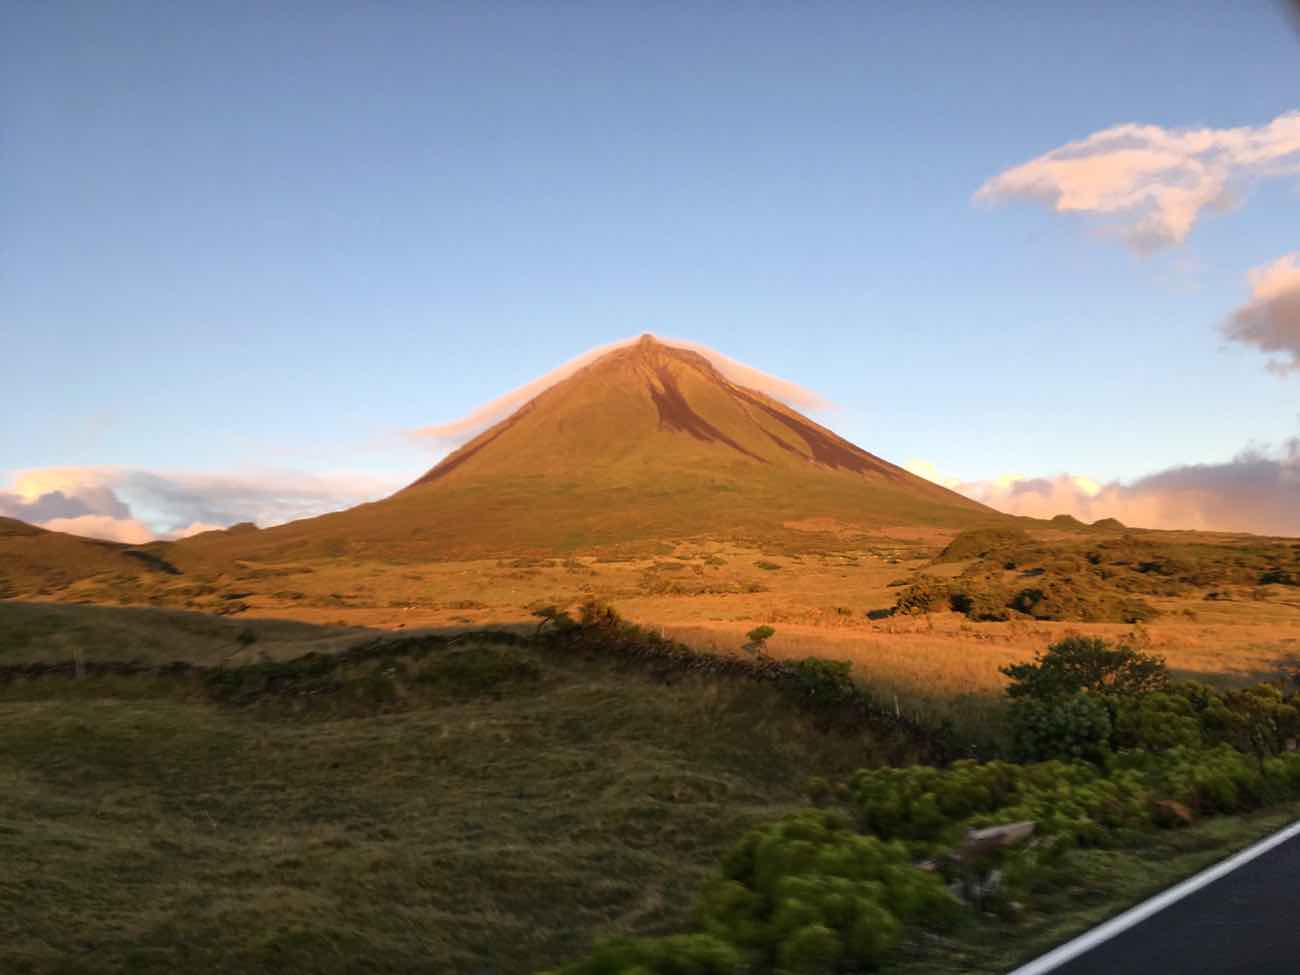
(57, 632)
(482, 808)
(493, 809)
(708, 594)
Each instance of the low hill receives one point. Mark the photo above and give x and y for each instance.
(35, 561)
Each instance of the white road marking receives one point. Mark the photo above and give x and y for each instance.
(1136, 915)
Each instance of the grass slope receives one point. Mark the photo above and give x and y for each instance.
(34, 561)
(496, 811)
(423, 806)
(57, 633)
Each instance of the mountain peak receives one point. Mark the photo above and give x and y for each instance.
(650, 410)
(644, 442)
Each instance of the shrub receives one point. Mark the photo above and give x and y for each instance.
(926, 595)
(1258, 719)
(982, 542)
(1112, 747)
(598, 615)
(1280, 577)
(1078, 726)
(1068, 600)
(809, 891)
(980, 602)
(828, 681)
(1157, 722)
(759, 636)
(1081, 663)
(554, 617)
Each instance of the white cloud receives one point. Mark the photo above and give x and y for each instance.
(458, 431)
(1257, 491)
(1270, 320)
(195, 528)
(1153, 183)
(136, 506)
(103, 526)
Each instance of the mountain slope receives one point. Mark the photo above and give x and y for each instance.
(35, 560)
(648, 443)
(653, 403)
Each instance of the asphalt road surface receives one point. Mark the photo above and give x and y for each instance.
(1246, 921)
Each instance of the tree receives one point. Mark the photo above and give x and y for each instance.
(758, 638)
(1087, 664)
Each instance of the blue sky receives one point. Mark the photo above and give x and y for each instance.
(243, 237)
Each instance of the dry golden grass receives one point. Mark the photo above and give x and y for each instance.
(709, 594)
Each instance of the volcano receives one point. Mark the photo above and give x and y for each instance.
(648, 443)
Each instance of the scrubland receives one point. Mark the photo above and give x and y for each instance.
(1209, 613)
(351, 765)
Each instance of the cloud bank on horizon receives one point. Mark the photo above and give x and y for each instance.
(446, 435)
(1150, 184)
(1257, 491)
(137, 506)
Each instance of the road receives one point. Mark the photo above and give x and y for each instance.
(1245, 921)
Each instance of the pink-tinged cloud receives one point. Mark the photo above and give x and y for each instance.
(136, 506)
(103, 526)
(450, 434)
(1150, 182)
(1270, 320)
(1257, 491)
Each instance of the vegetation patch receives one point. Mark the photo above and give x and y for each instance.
(412, 805)
(1122, 752)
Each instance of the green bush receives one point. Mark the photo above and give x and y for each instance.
(1259, 719)
(809, 893)
(1157, 721)
(1106, 739)
(828, 681)
(1084, 663)
(1078, 726)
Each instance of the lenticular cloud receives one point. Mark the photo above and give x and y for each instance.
(449, 434)
(1151, 183)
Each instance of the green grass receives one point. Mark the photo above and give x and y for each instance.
(54, 632)
(495, 815)
(1090, 887)
(434, 806)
